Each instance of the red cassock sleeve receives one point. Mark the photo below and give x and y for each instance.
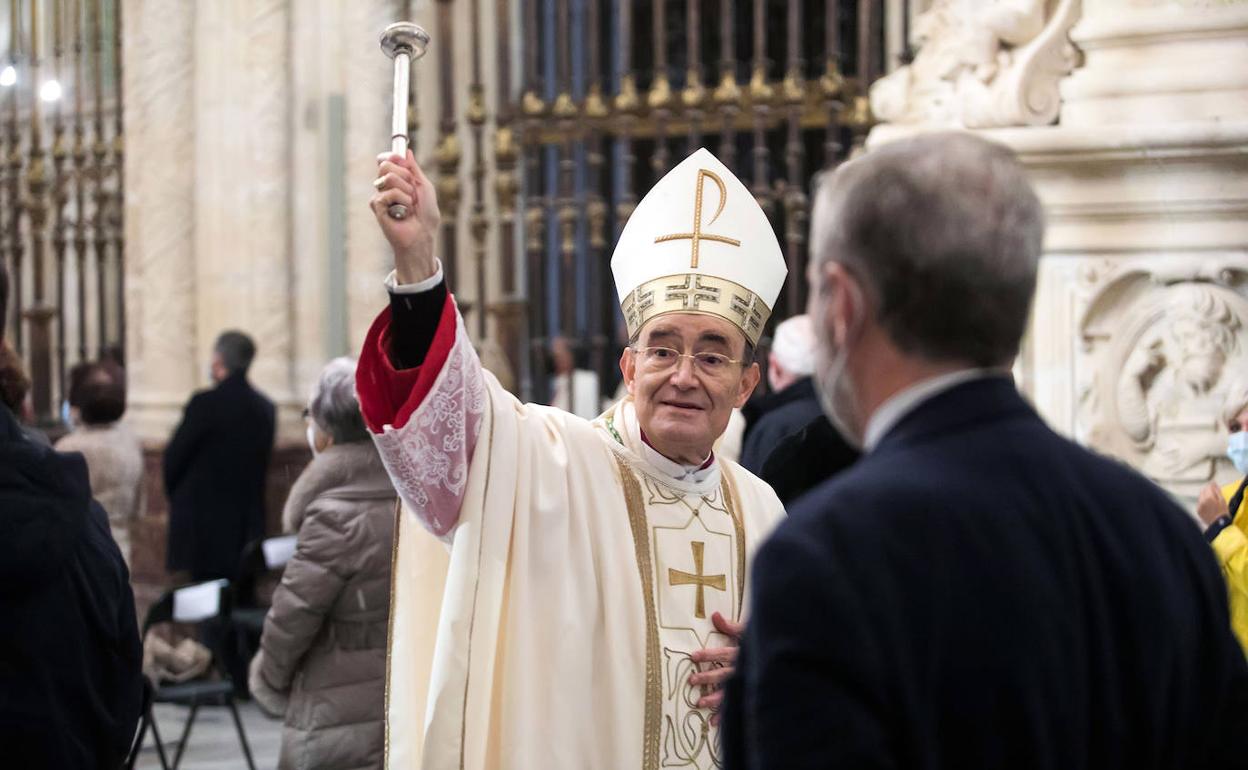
(389, 396)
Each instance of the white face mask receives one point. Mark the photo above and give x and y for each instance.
(312, 439)
(1237, 450)
(832, 383)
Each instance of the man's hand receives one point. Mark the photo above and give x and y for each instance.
(1211, 505)
(400, 180)
(721, 660)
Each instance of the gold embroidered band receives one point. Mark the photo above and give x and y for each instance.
(696, 293)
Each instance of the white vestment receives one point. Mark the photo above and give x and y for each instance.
(582, 574)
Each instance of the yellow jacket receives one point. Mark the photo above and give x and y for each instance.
(1231, 545)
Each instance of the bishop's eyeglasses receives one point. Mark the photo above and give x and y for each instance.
(658, 358)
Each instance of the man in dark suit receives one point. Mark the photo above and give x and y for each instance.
(215, 467)
(976, 592)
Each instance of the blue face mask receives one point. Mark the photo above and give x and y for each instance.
(1237, 450)
(65, 418)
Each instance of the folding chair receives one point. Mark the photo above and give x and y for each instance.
(260, 558)
(207, 606)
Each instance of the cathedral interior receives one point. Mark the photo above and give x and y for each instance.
(170, 170)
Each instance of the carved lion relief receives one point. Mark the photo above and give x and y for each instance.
(1159, 353)
(982, 64)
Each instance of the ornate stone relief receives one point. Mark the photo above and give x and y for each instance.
(1161, 347)
(982, 64)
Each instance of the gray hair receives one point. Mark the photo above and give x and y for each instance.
(333, 404)
(237, 351)
(945, 233)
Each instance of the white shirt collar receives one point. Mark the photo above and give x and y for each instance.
(905, 401)
(678, 471)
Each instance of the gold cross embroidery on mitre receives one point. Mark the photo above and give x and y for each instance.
(678, 578)
(697, 236)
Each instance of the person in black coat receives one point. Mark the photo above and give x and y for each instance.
(792, 403)
(976, 592)
(215, 467)
(70, 681)
(803, 460)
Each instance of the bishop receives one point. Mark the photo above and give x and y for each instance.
(597, 569)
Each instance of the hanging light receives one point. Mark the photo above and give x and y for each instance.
(50, 91)
(8, 76)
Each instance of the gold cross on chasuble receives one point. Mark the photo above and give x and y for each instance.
(678, 578)
(697, 236)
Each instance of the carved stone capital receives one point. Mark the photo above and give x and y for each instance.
(980, 67)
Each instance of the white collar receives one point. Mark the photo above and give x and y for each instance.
(678, 471)
(906, 400)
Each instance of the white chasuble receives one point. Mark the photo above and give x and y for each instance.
(581, 577)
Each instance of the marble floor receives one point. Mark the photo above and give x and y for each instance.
(213, 744)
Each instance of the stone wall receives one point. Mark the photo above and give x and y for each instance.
(1136, 145)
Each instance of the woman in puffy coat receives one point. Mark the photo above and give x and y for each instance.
(322, 659)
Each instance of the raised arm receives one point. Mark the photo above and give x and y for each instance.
(419, 383)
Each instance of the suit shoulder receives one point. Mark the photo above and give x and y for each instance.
(202, 398)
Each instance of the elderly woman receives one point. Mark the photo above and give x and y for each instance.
(322, 659)
(1222, 511)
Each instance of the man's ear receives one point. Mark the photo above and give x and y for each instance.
(628, 368)
(842, 296)
(749, 381)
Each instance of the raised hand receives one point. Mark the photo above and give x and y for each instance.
(400, 180)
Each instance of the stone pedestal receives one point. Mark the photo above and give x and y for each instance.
(1140, 324)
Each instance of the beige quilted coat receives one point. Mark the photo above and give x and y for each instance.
(323, 653)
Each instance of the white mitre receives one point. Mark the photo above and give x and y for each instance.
(699, 243)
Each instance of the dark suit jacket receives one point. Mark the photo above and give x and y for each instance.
(786, 413)
(980, 593)
(70, 681)
(803, 460)
(215, 468)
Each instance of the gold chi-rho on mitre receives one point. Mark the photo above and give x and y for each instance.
(699, 243)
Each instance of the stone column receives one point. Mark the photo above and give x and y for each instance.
(160, 210)
(243, 188)
(367, 84)
(1139, 325)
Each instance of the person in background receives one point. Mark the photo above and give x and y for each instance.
(572, 388)
(215, 467)
(97, 399)
(976, 591)
(792, 403)
(807, 458)
(1221, 511)
(15, 393)
(14, 384)
(71, 687)
(322, 659)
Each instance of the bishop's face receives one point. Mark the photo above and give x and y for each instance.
(686, 374)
